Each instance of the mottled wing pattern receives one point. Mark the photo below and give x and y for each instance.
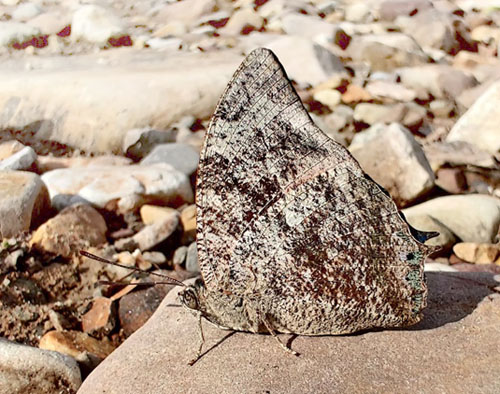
(286, 213)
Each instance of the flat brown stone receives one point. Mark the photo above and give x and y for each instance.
(454, 350)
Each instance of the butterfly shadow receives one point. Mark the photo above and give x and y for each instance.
(453, 296)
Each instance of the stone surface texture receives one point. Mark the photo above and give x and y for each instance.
(463, 315)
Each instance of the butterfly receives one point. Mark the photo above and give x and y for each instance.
(292, 235)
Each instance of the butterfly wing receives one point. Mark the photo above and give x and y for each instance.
(286, 213)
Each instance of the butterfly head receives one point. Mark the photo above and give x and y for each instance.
(192, 296)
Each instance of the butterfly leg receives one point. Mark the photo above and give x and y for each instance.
(283, 346)
(202, 341)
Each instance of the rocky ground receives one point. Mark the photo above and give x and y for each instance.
(103, 109)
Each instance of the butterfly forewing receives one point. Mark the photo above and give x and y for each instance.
(286, 215)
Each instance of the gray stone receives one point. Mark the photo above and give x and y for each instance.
(96, 24)
(132, 185)
(457, 153)
(92, 115)
(180, 156)
(192, 258)
(14, 32)
(433, 28)
(404, 170)
(463, 315)
(480, 125)
(19, 161)
(180, 255)
(472, 218)
(139, 142)
(440, 80)
(24, 202)
(26, 369)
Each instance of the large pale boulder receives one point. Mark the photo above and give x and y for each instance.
(90, 102)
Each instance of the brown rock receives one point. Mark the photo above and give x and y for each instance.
(452, 180)
(355, 94)
(153, 213)
(137, 307)
(477, 253)
(100, 318)
(463, 315)
(74, 228)
(85, 349)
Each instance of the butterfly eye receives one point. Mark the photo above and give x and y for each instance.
(190, 299)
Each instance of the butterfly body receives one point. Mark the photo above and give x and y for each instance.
(292, 235)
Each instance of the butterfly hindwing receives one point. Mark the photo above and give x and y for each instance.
(286, 214)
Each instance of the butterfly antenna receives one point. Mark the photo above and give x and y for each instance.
(169, 280)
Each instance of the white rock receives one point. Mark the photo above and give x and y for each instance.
(305, 62)
(24, 201)
(10, 2)
(392, 157)
(308, 26)
(96, 24)
(438, 267)
(329, 97)
(26, 11)
(391, 90)
(12, 32)
(241, 19)
(472, 218)
(131, 185)
(480, 125)
(27, 369)
(51, 22)
(357, 12)
(21, 160)
(171, 44)
(186, 11)
(440, 80)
